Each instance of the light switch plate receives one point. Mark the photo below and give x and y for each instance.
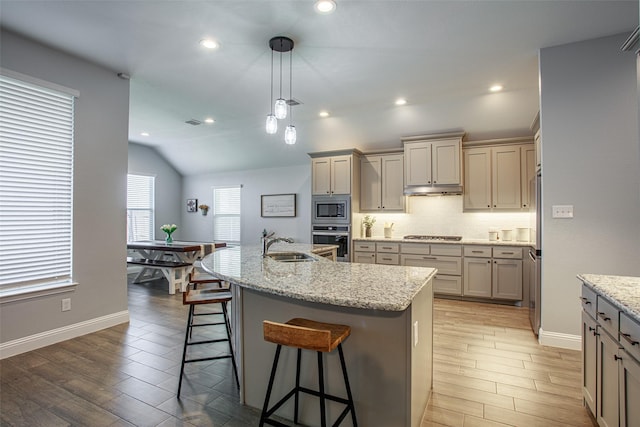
(562, 211)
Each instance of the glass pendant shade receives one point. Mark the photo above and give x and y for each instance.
(290, 135)
(280, 109)
(272, 124)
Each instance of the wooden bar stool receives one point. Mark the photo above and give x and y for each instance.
(305, 334)
(194, 297)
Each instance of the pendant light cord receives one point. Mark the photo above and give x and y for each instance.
(281, 70)
(271, 98)
(290, 85)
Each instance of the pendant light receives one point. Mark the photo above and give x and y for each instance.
(279, 108)
(290, 131)
(272, 123)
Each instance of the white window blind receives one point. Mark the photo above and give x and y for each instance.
(226, 214)
(140, 207)
(36, 184)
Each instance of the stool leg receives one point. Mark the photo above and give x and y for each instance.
(297, 399)
(184, 350)
(323, 416)
(346, 384)
(265, 408)
(228, 329)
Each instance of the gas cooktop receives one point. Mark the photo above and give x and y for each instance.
(422, 237)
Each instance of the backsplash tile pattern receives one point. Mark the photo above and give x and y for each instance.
(442, 215)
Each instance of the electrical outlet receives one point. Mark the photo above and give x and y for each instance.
(562, 211)
(415, 333)
(66, 304)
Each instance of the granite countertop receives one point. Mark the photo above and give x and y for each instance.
(622, 291)
(366, 286)
(458, 242)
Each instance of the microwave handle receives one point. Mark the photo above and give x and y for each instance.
(328, 233)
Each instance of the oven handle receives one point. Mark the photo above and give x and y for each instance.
(324, 233)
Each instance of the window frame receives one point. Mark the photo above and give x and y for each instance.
(152, 202)
(218, 215)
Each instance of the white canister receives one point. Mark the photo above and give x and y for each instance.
(507, 234)
(493, 236)
(522, 234)
(388, 232)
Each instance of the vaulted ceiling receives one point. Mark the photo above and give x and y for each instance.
(442, 56)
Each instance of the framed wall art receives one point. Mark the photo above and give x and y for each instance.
(192, 205)
(278, 205)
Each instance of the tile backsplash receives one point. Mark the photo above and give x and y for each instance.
(442, 215)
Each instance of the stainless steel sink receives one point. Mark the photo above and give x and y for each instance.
(291, 257)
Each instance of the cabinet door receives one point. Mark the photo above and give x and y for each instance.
(321, 176)
(370, 183)
(341, 175)
(477, 179)
(527, 172)
(629, 382)
(607, 380)
(507, 279)
(364, 257)
(393, 182)
(477, 277)
(417, 163)
(446, 162)
(589, 351)
(506, 177)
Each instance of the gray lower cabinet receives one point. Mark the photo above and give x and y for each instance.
(493, 272)
(610, 362)
(446, 258)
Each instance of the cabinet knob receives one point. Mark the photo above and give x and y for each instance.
(616, 357)
(489, 262)
(591, 329)
(524, 206)
(434, 182)
(604, 316)
(488, 206)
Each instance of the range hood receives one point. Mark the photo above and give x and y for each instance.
(432, 190)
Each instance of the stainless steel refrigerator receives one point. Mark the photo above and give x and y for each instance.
(535, 252)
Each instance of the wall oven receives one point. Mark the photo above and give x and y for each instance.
(333, 235)
(332, 210)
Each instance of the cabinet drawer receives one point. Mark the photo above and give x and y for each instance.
(415, 248)
(364, 257)
(393, 248)
(508, 253)
(365, 247)
(630, 335)
(607, 315)
(477, 251)
(446, 250)
(445, 264)
(450, 285)
(385, 258)
(588, 300)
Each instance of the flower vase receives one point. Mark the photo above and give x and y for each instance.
(367, 232)
(169, 239)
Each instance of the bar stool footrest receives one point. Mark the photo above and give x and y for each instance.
(315, 393)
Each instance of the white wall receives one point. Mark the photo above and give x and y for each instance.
(590, 159)
(99, 218)
(293, 179)
(169, 203)
(443, 215)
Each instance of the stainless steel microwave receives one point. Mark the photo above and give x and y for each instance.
(331, 209)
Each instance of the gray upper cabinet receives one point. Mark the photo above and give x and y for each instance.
(382, 183)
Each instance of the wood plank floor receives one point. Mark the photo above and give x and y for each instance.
(489, 371)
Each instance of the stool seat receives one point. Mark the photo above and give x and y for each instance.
(206, 296)
(306, 334)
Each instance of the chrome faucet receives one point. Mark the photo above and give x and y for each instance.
(267, 242)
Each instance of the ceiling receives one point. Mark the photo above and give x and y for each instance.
(441, 56)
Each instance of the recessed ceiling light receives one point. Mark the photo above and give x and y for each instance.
(209, 120)
(209, 43)
(145, 134)
(401, 101)
(325, 6)
(496, 88)
(323, 114)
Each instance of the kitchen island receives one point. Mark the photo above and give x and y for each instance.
(389, 354)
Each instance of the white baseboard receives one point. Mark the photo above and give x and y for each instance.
(556, 339)
(43, 339)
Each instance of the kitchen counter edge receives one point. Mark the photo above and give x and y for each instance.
(448, 242)
(622, 291)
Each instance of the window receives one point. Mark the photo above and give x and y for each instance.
(36, 184)
(140, 206)
(226, 214)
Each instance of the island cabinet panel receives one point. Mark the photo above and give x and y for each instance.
(388, 355)
(610, 353)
